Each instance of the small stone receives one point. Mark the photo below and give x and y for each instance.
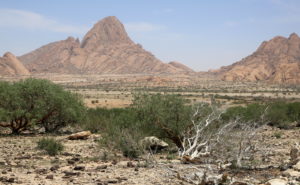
(3, 163)
(291, 173)
(277, 182)
(49, 177)
(294, 154)
(79, 168)
(80, 135)
(54, 168)
(112, 181)
(101, 167)
(70, 173)
(41, 171)
(70, 161)
(297, 166)
(11, 180)
(114, 162)
(130, 164)
(239, 183)
(4, 172)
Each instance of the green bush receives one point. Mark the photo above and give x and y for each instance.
(164, 116)
(119, 129)
(282, 114)
(278, 114)
(251, 112)
(50, 145)
(30, 102)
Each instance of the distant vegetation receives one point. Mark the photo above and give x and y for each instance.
(32, 103)
(169, 117)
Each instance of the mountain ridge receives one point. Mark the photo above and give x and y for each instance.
(274, 61)
(105, 49)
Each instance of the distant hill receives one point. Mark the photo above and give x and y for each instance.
(275, 61)
(181, 66)
(10, 65)
(105, 49)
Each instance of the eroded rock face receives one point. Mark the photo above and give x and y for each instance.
(10, 65)
(105, 49)
(275, 61)
(181, 66)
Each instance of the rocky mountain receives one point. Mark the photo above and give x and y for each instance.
(105, 49)
(275, 61)
(181, 66)
(10, 65)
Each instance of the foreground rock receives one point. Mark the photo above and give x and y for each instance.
(80, 135)
(277, 182)
(153, 143)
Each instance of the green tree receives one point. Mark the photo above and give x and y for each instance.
(38, 102)
(165, 116)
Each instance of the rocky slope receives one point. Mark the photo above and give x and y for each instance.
(275, 61)
(105, 49)
(10, 65)
(181, 66)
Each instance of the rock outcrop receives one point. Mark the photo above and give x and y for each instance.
(105, 49)
(180, 66)
(275, 61)
(10, 65)
(80, 135)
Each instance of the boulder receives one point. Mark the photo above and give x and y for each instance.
(291, 173)
(277, 182)
(297, 166)
(294, 155)
(80, 135)
(153, 143)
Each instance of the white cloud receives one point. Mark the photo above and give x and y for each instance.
(34, 21)
(143, 27)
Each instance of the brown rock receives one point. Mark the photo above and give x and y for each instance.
(130, 164)
(101, 167)
(49, 177)
(294, 155)
(275, 61)
(79, 168)
(80, 135)
(297, 166)
(181, 66)
(10, 65)
(276, 182)
(105, 49)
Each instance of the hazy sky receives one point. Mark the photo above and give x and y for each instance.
(203, 34)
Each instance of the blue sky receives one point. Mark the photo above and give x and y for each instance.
(203, 34)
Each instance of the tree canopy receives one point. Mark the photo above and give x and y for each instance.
(30, 102)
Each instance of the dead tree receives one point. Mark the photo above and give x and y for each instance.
(197, 139)
(210, 136)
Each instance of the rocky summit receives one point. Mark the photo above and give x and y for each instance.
(275, 61)
(105, 49)
(10, 65)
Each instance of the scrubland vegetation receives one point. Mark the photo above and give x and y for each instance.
(33, 104)
(194, 131)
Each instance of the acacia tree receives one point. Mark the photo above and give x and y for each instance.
(38, 102)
